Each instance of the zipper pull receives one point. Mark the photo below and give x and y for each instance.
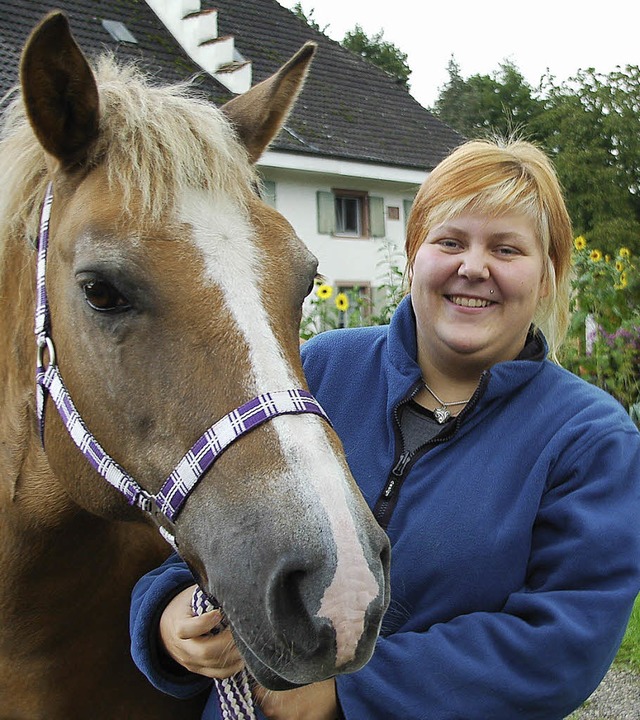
(397, 471)
(403, 460)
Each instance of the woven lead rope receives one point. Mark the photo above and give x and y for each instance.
(234, 693)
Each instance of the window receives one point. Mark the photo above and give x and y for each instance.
(350, 213)
(119, 31)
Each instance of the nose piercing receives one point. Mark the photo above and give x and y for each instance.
(490, 292)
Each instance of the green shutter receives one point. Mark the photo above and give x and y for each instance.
(326, 213)
(269, 192)
(376, 216)
(406, 206)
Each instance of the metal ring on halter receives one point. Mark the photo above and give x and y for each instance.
(46, 342)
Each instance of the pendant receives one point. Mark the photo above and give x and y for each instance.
(442, 414)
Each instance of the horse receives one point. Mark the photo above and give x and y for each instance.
(173, 298)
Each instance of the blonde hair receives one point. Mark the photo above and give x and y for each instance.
(495, 178)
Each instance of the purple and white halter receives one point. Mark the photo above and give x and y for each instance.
(234, 693)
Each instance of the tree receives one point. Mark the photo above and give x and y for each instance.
(486, 105)
(380, 52)
(298, 10)
(589, 125)
(375, 49)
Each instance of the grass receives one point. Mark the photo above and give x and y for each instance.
(629, 653)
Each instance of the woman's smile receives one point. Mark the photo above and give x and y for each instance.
(476, 284)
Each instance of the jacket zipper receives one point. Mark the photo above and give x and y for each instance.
(388, 499)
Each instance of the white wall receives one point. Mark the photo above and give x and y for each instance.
(342, 260)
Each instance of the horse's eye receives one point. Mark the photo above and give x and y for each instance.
(104, 297)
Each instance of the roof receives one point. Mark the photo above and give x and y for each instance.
(348, 109)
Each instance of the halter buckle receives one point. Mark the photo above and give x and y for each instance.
(45, 342)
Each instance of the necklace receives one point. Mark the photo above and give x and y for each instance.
(442, 413)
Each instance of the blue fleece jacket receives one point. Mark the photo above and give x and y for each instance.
(515, 536)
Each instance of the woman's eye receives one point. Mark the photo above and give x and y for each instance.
(448, 243)
(104, 297)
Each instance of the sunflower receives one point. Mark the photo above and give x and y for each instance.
(342, 302)
(595, 256)
(619, 266)
(324, 292)
(580, 243)
(624, 252)
(623, 281)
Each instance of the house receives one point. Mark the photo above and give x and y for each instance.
(347, 165)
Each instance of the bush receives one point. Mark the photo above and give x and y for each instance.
(603, 345)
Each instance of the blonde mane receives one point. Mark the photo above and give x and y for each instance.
(154, 141)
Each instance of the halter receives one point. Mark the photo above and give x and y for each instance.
(172, 496)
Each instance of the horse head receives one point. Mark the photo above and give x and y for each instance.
(175, 296)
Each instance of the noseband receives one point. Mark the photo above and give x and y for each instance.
(172, 496)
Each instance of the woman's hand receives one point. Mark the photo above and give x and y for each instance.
(188, 639)
(312, 702)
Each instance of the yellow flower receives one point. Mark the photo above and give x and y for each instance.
(324, 292)
(619, 266)
(595, 256)
(624, 252)
(580, 243)
(623, 282)
(607, 258)
(342, 302)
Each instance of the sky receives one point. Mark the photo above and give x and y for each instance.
(558, 37)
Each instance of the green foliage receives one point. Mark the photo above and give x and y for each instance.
(604, 340)
(298, 10)
(589, 125)
(326, 310)
(380, 52)
(629, 653)
(486, 105)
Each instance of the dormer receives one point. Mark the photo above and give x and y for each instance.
(197, 32)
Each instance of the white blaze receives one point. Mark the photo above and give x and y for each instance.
(223, 234)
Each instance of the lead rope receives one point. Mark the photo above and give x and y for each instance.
(234, 693)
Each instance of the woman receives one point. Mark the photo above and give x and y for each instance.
(510, 489)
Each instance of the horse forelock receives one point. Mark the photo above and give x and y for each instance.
(155, 142)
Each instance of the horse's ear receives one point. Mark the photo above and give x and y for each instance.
(259, 113)
(59, 91)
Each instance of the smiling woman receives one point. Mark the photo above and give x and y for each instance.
(495, 473)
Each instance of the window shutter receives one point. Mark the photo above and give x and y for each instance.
(269, 192)
(406, 206)
(326, 213)
(376, 216)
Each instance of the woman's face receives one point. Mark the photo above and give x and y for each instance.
(476, 284)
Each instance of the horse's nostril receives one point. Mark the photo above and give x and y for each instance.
(293, 597)
(289, 588)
